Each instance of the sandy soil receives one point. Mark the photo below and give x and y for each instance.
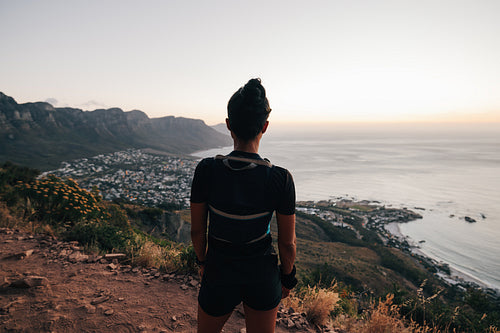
(51, 286)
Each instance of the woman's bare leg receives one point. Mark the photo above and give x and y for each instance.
(260, 321)
(210, 324)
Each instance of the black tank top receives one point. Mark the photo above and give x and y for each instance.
(242, 196)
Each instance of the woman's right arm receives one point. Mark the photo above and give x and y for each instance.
(199, 215)
(286, 244)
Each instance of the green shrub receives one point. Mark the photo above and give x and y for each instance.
(11, 173)
(102, 235)
(188, 259)
(151, 213)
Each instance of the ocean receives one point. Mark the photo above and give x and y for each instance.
(443, 172)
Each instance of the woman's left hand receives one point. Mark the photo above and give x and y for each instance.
(284, 292)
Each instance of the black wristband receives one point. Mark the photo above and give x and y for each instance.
(199, 262)
(289, 281)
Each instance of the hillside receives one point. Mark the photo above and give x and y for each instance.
(51, 286)
(41, 136)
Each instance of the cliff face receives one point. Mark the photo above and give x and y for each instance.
(41, 136)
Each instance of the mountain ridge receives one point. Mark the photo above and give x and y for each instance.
(37, 134)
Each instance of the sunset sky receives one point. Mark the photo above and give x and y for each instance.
(321, 61)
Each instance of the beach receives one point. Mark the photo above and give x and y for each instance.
(456, 276)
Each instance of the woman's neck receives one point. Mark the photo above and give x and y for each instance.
(251, 146)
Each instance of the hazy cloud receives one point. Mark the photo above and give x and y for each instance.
(88, 106)
(92, 105)
(52, 101)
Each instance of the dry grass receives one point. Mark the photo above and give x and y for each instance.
(316, 302)
(383, 318)
(150, 254)
(6, 219)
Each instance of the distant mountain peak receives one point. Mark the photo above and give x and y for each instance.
(39, 135)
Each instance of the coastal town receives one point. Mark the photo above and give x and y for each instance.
(374, 216)
(134, 175)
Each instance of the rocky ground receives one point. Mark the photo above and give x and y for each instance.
(51, 286)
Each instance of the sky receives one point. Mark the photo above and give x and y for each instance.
(320, 61)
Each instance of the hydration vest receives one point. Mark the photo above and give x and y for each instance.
(239, 230)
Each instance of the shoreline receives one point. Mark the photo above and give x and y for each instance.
(456, 275)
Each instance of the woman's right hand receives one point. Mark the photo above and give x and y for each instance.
(201, 270)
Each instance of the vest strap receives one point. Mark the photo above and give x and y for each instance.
(238, 217)
(264, 162)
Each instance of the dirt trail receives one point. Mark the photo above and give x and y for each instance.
(51, 286)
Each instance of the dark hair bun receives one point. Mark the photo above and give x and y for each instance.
(253, 93)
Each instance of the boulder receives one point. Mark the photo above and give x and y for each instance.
(30, 282)
(78, 257)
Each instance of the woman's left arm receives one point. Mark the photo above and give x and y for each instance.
(199, 215)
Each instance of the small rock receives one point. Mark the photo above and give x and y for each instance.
(64, 253)
(112, 256)
(77, 257)
(184, 287)
(112, 267)
(174, 318)
(21, 255)
(109, 312)
(243, 330)
(89, 308)
(194, 283)
(100, 299)
(4, 282)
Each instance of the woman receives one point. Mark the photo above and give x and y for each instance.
(239, 193)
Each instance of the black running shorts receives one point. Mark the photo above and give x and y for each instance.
(218, 300)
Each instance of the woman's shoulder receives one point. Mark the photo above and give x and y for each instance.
(281, 175)
(204, 165)
(280, 169)
(206, 161)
